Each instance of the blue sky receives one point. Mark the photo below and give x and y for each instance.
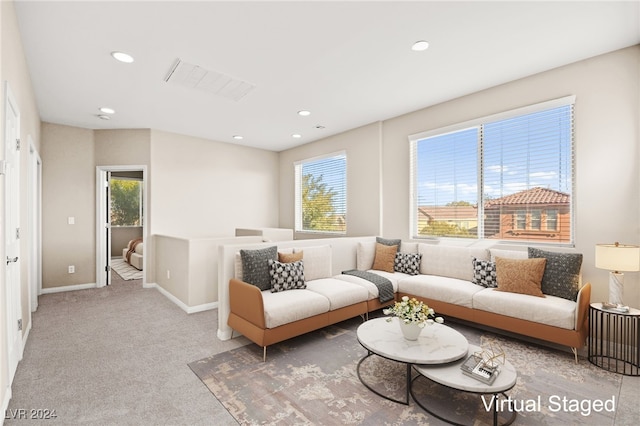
(519, 153)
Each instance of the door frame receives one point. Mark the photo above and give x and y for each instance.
(35, 222)
(102, 172)
(12, 299)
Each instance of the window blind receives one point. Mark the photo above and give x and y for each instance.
(321, 194)
(509, 176)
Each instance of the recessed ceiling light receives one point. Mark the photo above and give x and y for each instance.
(304, 113)
(419, 46)
(296, 135)
(107, 110)
(237, 137)
(122, 57)
(104, 117)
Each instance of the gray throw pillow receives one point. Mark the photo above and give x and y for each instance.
(561, 274)
(389, 242)
(255, 266)
(286, 276)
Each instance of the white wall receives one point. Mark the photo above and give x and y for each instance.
(362, 146)
(203, 188)
(607, 197)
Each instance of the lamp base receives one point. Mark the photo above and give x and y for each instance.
(616, 287)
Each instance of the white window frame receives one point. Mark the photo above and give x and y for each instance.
(415, 138)
(298, 165)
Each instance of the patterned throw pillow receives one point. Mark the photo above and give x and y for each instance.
(408, 263)
(286, 276)
(561, 275)
(255, 266)
(484, 273)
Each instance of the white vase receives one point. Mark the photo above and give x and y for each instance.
(410, 331)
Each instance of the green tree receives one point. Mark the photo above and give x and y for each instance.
(125, 202)
(318, 212)
(459, 203)
(443, 229)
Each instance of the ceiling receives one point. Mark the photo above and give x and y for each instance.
(349, 63)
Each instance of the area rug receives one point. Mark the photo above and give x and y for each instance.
(126, 271)
(312, 379)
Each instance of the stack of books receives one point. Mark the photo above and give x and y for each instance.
(475, 367)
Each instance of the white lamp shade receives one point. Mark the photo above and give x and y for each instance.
(618, 257)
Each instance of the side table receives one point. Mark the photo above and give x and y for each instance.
(614, 340)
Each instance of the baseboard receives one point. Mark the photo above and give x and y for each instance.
(61, 289)
(25, 337)
(188, 309)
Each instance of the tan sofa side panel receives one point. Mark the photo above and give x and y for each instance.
(245, 301)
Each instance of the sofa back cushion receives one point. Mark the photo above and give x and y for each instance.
(453, 262)
(317, 262)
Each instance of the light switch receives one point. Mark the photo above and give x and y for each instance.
(71, 220)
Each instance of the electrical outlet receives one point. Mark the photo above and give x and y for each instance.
(72, 269)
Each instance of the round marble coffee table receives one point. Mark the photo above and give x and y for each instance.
(451, 376)
(437, 344)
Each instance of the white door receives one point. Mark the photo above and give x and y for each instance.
(12, 231)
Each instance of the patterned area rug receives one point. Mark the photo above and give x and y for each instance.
(126, 271)
(312, 379)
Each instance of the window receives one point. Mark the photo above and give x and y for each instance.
(507, 176)
(126, 202)
(321, 194)
(552, 220)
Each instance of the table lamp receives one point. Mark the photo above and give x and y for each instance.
(617, 258)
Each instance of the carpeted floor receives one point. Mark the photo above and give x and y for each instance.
(312, 380)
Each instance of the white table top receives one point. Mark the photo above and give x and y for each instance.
(436, 344)
(451, 375)
(632, 311)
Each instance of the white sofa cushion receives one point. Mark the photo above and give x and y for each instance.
(444, 289)
(371, 288)
(549, 310)
(452, 262)
(508, 254)
(293, 305)
(317, 262)
(340, 293)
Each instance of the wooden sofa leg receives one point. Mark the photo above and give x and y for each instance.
(264, 354)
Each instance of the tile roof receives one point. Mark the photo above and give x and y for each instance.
(535, 195)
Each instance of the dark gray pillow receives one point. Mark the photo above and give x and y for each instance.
(388, 242)
(286, 276)
(561, 274)
(484, 273)
(255, 266)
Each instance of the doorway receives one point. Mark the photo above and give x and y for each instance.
(35, 221)
(106, 175)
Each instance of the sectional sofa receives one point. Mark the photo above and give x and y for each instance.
(460, 282)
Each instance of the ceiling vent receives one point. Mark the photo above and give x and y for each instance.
(196, 77)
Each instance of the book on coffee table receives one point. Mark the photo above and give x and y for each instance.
(476, 368)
